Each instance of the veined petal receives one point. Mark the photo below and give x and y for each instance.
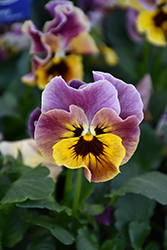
(129, 97)
(56, 125)
(101, 156)
(107, 121)
(91, 98)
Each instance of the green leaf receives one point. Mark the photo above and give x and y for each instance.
(138, 231)
(45, 203)
(56, 230)
(86, 240)
(132, 208)
(114, 244)
(153, 185)
(153, 246)
(33, 185)
(12, 227)
(149, 152)
(42, 242)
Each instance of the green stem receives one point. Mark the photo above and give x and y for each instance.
(77, 192)
(68, 182)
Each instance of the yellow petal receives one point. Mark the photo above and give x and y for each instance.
(83, 44)
(110, 55)
(101, 156)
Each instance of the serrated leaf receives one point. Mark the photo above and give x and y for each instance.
(85, 240)
(56, 230)
(33, 185)
(153, 185)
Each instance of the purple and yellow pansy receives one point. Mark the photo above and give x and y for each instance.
(58, 49)
(93, 125)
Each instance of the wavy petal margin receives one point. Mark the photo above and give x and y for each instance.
(129, 97)
(68, 21)
(94, 96)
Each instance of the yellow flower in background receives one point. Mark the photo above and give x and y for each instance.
(68, 67)
(110, 56)
(30, 154)
(154, 25)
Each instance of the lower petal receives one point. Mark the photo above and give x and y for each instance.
(107, 121)
(100, 157)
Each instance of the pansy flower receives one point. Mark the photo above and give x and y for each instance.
(58, 48)
(154, 25)
(94, 126)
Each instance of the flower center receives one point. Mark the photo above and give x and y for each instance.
(88, 136)
(160, 18)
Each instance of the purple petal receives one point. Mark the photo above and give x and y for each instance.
(68, 21)
(56, 125)
(145, 89)
(105, 217)
(33, 120)
(131, 25)
(30, 29)
(76, 84)
(91, 98)
(129, 97)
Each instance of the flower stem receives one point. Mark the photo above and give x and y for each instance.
(77, 192)
(68, 182)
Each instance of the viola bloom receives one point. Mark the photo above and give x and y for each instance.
(93, 125)
(154, 24)
(58, 48)
(30, 154)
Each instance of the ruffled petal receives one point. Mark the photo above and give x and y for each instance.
(129, 98)
(68, 21)
(107, 121)
(101, 157)
(91, 98)
(55, 125)
(30, 29)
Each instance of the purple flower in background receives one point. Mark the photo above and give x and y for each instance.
(105, 217)
(131, 25)
(58, 48)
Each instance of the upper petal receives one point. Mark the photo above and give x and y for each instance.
(55, 125)
(107, 121)
(91, 98)
(129, 98)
